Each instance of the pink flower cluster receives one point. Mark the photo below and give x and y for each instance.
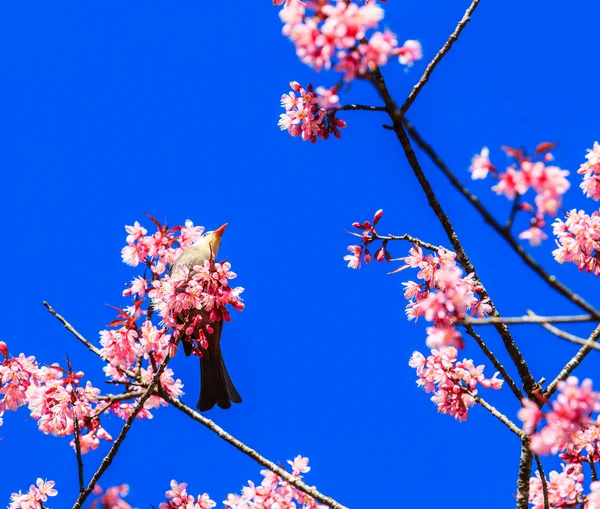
(306, 113)
(578, 240)
(591, 173)
(178, 497)
(368, 235)
(444, 298)
(54, 400)
(159, 250)
(33, 499)
(111, 498)
(274, 492)
(548, 182)
(179, 296)
(571, 410)
(564, 488)
(452, 382)
(335, 33)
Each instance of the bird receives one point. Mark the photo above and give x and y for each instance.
(216, 386)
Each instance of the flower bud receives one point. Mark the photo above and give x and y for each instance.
(377, 216)
(367, 256)
(380, 254)
(4, 349)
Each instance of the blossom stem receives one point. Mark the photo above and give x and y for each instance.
(549, 279)
(294, 481)
(497, 364)
(529, 319)
(78, 454)
(573, 363)
(438, 57)
(407, 237)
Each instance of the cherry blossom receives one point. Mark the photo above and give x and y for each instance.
(112, 498)
(409, 53)
(578, 240)
(178, 497)
(571, 410)
(38, 493)
(591, 173)
(274, 492)
(452, 382)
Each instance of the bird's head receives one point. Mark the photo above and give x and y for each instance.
(212, 239)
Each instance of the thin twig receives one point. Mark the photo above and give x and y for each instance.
(513, 213)
(496, 413)
(524, 476)
(294, 481)
(440, 54)
(529, 319)
(70, 328)
(78, 454)
(409, 238)
(117, 443)
(573, 363)
(497, 364)
(564, 334)
(550, 280)
(361, 107)
(543, 479)
(593, 467)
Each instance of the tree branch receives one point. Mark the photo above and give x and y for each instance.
(497, 364)
(565, 335)
(550, 280)
(543, 479)
(496, 413)
(360, 107)
(78, 454)
(573, 363)
(524, 476)
(438, 57)
(529, 319)
(294, 481)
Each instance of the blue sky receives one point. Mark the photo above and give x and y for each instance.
(116, 108)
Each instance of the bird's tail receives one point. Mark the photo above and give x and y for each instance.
(216, 386)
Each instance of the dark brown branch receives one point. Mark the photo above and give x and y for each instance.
(497, 364)
(461, 256)
(294, 481)
(498, 228)
(524, 476)
(593, 468)
(409, 238)
(78, 454)
(573, 363)
(360, 107)
(543, 479)
(529, 319)
(117, 443)
(513, 213)
(436, 60)
(500, 416)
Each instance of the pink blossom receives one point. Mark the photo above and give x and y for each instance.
(112, 498)
(409, 53)
(178, 498)
(119, 347)
(379, 48)
(593, 499)
(353, 259)
(578, 240)
(33, 499)
(534, 235)
(571, 410)
(346, 23)
(530, 414)
(481, 165)
(452, 382)
(591, 173)
(16, 376)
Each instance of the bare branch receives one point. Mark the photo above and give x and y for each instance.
(564, 334)
(513, 213)
(500, 416)
(497, 364)
(294, 481)
(529, 319)
(543, 479)
(361, 107)
(78, 454)
(409, 238)
(440, 54)
(550, 280)
(573, 363)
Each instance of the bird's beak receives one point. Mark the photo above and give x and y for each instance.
(219, 231)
